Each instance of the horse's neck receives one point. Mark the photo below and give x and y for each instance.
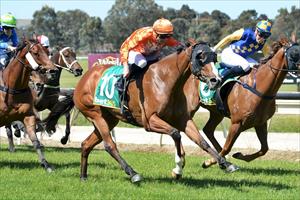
(15, 75)
(174, 71)
(268, 80)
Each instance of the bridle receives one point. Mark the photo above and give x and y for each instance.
(32, 65)
(290, 71)
(63, 58)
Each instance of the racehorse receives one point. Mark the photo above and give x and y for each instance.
(46, 93)
(250, 102)
(16, 100)
(152, 102)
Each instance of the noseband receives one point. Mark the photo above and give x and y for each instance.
(63, 58)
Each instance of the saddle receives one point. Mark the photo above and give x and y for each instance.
(122, 87)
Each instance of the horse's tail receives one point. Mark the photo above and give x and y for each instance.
(63, 106)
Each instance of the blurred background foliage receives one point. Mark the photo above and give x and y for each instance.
(91, 34)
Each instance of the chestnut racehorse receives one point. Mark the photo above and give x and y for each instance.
(46, 93)
(16, 100)
(153, 102)
(251, 101)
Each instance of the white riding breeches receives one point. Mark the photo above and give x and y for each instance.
(139, 59)
(232, 59)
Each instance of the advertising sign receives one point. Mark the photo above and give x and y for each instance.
(104, 59)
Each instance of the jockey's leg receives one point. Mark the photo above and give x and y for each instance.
(238, 65)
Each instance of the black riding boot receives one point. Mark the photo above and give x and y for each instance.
(57, 111)
(232, 72)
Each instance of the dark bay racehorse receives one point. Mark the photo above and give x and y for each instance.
(16, 100)
(250, 102)
(46, 92)
(153, 102)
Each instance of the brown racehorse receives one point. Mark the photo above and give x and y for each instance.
(46, 92)
(152, 102)
(251, 102)
(16, 101)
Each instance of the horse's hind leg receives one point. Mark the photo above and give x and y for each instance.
(30, 126)
(103, 129)
(86, 147)
(11, 146)
(65, 138)
(261, 132)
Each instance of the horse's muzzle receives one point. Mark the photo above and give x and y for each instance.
(77, 72)
(213, 83)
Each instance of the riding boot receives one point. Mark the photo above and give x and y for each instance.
(232, 72)
(58, 110)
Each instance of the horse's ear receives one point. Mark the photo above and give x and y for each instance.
(191, 41)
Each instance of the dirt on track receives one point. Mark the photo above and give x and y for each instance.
(293, 156)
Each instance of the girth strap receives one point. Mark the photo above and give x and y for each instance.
(13, 91)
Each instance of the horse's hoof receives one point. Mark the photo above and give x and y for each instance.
(63, 141)
(232, 168)
(136, 178)
(49, 170)
(176, 176)
(237, 155)
(12, 150)
(83, 178)
(205, 165)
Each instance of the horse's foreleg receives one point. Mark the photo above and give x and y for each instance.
(65, 138)
(30, 125)
(210, 127)
(192, 132)
(11, 146)
(86, 147)
(261, 132)
(158, 125)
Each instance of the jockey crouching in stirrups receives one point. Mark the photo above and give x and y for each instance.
(141, 47)
(243, 43)
(8, 38)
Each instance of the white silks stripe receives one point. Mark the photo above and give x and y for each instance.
(31, 61)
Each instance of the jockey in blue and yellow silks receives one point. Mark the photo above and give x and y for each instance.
(242, 44)
(8, 37)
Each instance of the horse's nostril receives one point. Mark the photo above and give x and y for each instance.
(213, 80)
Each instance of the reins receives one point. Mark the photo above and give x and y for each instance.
(17, 91)
(62, 57)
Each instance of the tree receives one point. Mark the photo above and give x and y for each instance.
(125, 16)
(92, 34)
(70, 23)
(45, 22)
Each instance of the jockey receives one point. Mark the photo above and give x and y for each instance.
(44, 40)
(8, 38)
(144, 45)
(242, 44)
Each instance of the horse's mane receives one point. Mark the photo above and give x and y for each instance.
(275, 47)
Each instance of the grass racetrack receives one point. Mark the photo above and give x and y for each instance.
(21, 177)
(274, 176)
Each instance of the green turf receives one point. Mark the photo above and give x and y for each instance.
(22, 178)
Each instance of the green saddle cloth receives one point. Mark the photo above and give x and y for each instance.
(106, 94)
(207, 96)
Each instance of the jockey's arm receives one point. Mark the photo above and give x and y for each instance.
(14, 39)
(131, 42)
(237, 35)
